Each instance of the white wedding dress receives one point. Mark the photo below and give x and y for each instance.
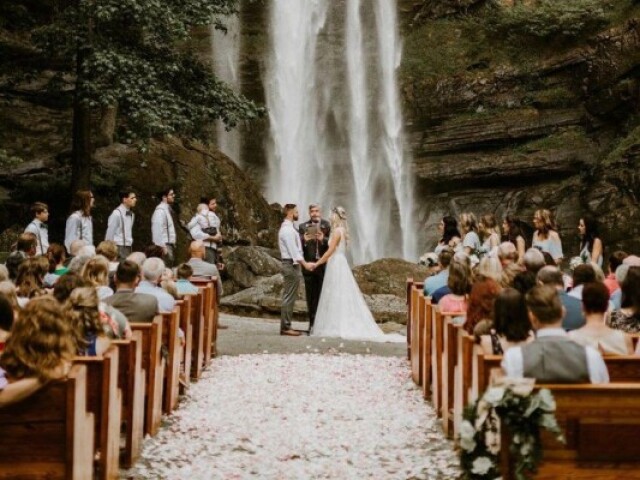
(342, 311)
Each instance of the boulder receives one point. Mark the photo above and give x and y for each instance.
(246, 266)
(388, 276)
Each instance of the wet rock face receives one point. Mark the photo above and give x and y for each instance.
(555, 130)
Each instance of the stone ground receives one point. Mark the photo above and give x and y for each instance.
(272, 407)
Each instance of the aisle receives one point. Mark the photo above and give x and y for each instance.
(301, 417)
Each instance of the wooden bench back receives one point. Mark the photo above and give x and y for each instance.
(197, 345)
(50, 434)
(171, 341)
(417, 338)
(210, 314)
(104, 400)
(184, 305)
(601, 424)
(426, 310)
(131, 381)
(153, 364)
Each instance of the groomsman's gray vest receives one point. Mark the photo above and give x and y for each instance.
(555, 360)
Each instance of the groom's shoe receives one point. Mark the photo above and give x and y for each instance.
(290, 333)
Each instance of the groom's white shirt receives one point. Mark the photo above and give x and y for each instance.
(289, 242)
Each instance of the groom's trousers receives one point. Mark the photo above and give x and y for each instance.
(313, 289)
(292, 276)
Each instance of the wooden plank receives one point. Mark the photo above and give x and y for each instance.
(197, 323)
(153, 365)
(449, 359)
(416, 372)
(57, 432)
(436, 361)
(409, 285)
(171, 341)
(187, 327)
(131, 381)
(104, 401)
(209, 311)
(426, 312)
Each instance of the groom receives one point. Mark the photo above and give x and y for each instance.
(315, 242)
(292, 258)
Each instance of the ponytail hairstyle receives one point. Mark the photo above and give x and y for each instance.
(338, 219)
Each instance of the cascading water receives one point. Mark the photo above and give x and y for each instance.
(335, 120)
(225, 48)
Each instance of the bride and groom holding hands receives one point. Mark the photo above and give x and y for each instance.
(335, 303)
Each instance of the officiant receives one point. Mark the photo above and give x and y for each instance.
(314, 235)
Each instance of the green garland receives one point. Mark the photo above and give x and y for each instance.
(512, 404)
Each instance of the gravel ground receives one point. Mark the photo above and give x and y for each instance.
(257, 335)
(299, 417)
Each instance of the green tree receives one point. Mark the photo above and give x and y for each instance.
(133, 59)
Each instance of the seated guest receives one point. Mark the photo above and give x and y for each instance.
(439, 280)
(552, 357)
(67, 284)
(628, 317)
(8, 289)
(137, 257)
(57, 256)
(573, 318)
(6, 320)
(458, 284)
(109, 250)
(615, 260)
(200, 267)
(88, 330)
(30, 280)
(616, 296)
(96, 273)
(74, 249)
(595, 303)
(507, 254)
(183, 285)
(479, 319)
(39, 349)
(78, 262)
(524, 281)
(509, 274)
(4, 273)
(533, 260)
(25, 248)
(511, 325)
(152, 270)
(154, 251)
(137, 307)
(490, 267)
(582, 274)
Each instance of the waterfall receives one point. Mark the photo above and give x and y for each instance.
(225, 48)
(335, 119)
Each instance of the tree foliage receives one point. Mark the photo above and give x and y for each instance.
(135, 54)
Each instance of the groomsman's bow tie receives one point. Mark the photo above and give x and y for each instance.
(42, 225)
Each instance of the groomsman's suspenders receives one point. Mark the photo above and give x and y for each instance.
(124, 235)
(42, 252)
(166, 223)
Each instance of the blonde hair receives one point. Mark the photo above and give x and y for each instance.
(338, 219)
(84, 313)
(490, 223)
(9, 290)
(40, 341)
(490, 267)
(548, 222)
(30, 275)
(109, 249)
(468, 222)
(96, 271)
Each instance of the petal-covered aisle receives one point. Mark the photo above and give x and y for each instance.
(301, 417)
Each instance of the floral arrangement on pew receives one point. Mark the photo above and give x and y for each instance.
(512, 403)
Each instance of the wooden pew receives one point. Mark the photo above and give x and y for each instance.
(153, 364)
(409, 287)
(50, 434)
(462, 377)
(171, 341)
(449, 361)
(131, 380)
(439, 362)
(417, 338)
(601, 424)
(104, 400)
(210, 314)
(197, 324)
(186, 324)
(426, 312)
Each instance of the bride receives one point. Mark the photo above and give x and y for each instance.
(342, 310)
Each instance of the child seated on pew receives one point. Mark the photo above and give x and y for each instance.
(40, 349)
(88, 330)
(511, 325)
(552, 357)
(184, 287)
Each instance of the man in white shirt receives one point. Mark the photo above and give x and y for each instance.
(38, 227)
(201, 227)
(292, 257)
(163, 231)
(553, 357)
(120, 224)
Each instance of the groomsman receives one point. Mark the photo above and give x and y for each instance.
(38, 227)
(79, 223)
(314, 235)
(292, 259)
(120, 224)
(163, 231)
